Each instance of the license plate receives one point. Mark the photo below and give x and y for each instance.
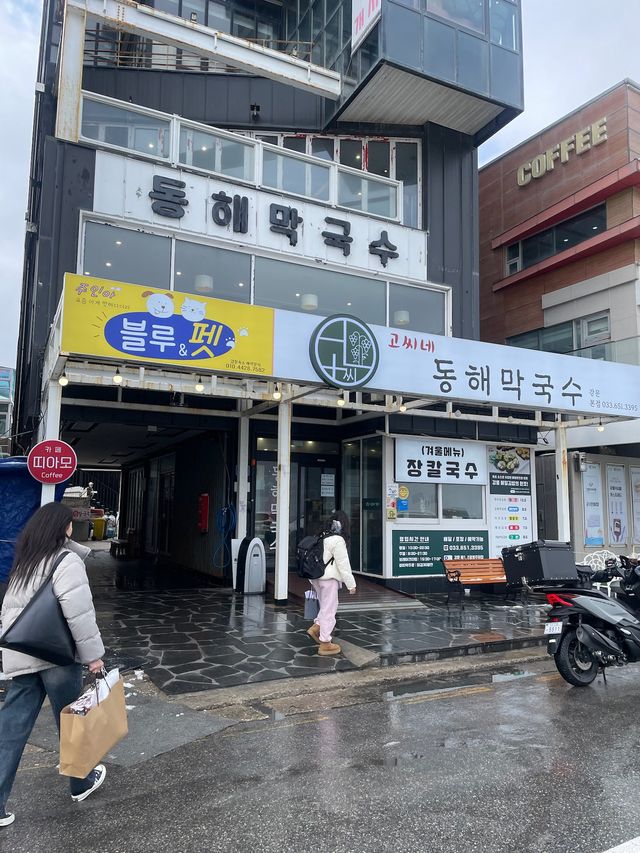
(553, 628)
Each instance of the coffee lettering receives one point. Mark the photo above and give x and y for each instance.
(578, 143)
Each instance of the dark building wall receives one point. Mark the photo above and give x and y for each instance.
(450, 203)
(222, 99)
(66, 189)
(202, 552)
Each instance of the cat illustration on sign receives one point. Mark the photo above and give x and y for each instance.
(193, 310)
(159, 304)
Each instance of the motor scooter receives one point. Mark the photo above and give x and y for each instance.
(589, 631)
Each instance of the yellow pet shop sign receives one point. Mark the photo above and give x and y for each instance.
(125, 321)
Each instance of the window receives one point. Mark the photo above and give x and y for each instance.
(446, 501)
(525, 253)
(316, 291)
(462, 501)
(212, 272)
(567, 337)
(417, 308)
(465, 13)
(504, 24)
(125, 128)
(121, 254)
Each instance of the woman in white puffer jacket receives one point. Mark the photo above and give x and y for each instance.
(337, 572)
(43, 539)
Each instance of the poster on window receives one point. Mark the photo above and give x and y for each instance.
(634, 475)
(592, 504)
(510, 501)
(617, 502)
(436, 461)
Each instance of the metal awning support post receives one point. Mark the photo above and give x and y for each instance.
(281, 586)
(50, 428)
(242, 493)
(562, 485)
(70, 73)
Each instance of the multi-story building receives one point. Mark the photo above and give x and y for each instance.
(251, 276)
(560, 273)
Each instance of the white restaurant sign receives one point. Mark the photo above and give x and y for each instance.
(123, 184)
(364, 16)
(437, 461)
(414, 363)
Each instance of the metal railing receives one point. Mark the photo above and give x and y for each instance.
(113, 124)
(624, 351)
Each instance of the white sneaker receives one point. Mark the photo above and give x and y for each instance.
(99, 776)
(7, 819)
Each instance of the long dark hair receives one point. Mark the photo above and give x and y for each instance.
(343, 519)
(41, 538)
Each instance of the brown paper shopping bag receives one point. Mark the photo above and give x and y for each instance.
(85, 740)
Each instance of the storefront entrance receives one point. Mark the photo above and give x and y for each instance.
(314, 491)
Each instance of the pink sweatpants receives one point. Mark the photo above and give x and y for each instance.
(327, 592)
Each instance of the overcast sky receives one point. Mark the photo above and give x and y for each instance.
(573, 51)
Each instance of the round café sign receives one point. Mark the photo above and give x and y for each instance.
(344, 352)
(52, 461)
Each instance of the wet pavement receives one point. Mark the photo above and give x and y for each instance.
(507, 762)
(189, 639)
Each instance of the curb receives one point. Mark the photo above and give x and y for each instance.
(480, 648)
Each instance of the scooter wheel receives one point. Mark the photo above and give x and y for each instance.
(575, 662)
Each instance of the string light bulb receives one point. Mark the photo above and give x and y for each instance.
(63, 380)
(117, 377)
(277, 393)
(199, 386)
(600, 427)
(342, 399)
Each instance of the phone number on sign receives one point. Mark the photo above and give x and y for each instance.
(620, 407)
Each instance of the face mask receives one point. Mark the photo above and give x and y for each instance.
(336, 527)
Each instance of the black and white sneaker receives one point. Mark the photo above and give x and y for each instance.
(99, 775)
(6, 818)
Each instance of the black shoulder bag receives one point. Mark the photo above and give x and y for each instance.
(41, 630)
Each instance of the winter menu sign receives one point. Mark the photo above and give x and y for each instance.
(510, 500)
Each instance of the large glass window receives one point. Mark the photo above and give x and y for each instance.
(229, 157)
(372, 525)
(565, 235)
(214, 272)
(120, 254)
(351, 496)
(417, 308)
(422, 501)
(407, 172)
(465, 13)
(462, 501)
(317, 291)
(125, 128)
(504, 24)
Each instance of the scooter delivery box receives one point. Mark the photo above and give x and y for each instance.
(539, 562)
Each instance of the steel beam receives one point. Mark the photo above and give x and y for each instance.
(196, 38)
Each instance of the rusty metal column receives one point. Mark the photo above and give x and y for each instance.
(281, 585)
(69, 87)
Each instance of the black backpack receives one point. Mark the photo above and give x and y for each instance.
(310, 557)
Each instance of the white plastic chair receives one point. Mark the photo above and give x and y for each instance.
(597, 560)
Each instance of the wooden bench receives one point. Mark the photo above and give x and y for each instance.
(462, 573)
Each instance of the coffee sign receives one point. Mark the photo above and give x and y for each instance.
(584, 140)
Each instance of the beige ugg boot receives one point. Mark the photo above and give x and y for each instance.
(329, 649)
(314, 632)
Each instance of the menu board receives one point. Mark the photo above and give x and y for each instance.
(510, 500)
(617, 504)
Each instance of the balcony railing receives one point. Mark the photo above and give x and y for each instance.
(625, 351)
(117, 125)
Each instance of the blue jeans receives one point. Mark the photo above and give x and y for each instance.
(18, 714)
